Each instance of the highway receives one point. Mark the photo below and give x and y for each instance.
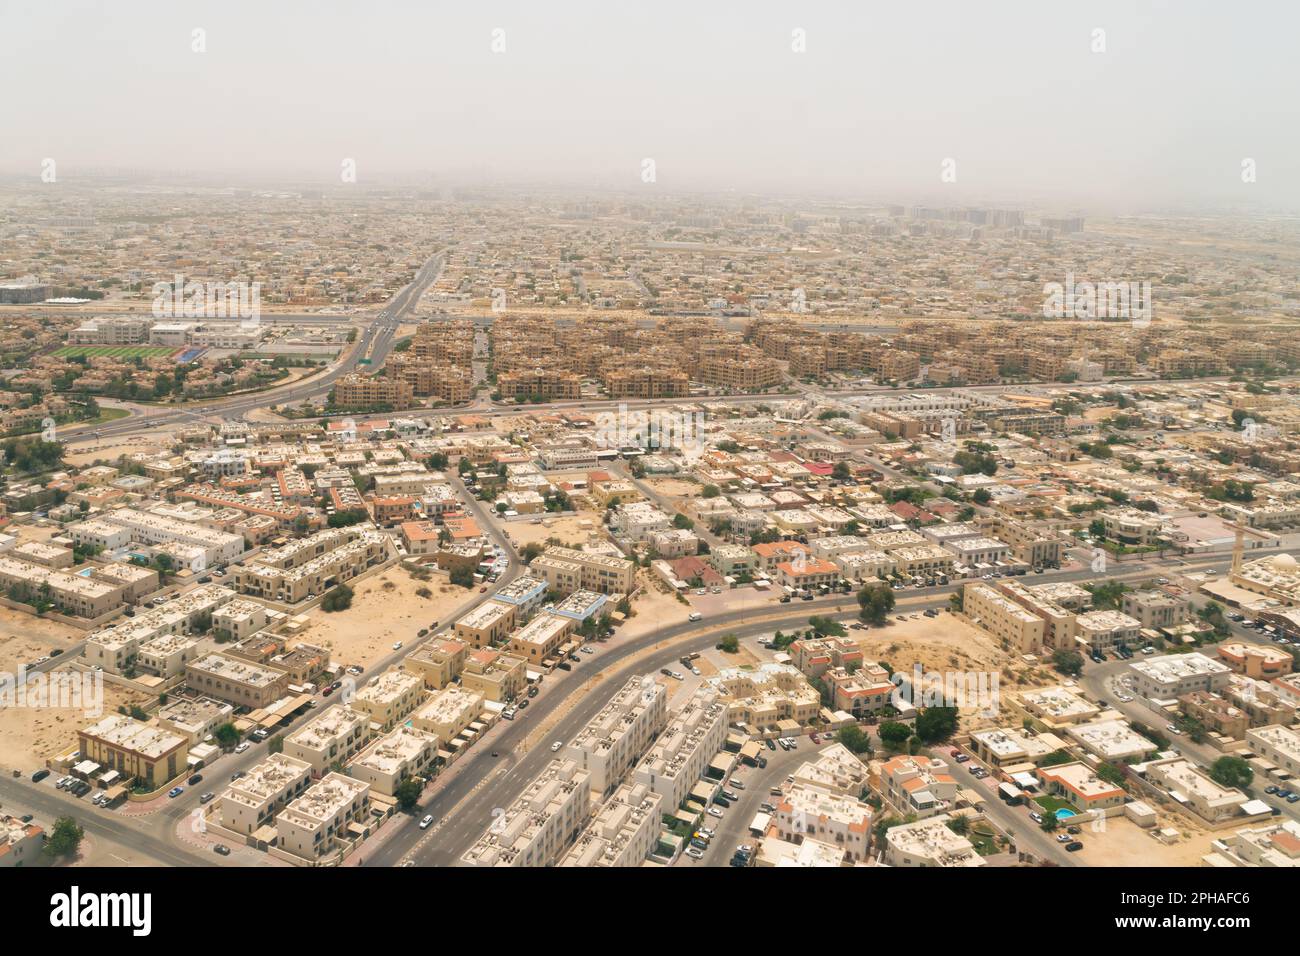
(375, 342)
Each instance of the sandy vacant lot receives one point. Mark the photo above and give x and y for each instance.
(31, 735)
(675, 487)
(385, 608)
(25, 637)
(654, 607)
(940, 643)
(87, 453)
(1124, 843)
(573, 530)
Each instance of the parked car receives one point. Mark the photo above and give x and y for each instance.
(694, 853)
(243, 745)
(221, 849)
(195, 779)
(207, 797)
(714, 812)
(39, 775)
(426, 821)
(555, 747)
(1074, 847)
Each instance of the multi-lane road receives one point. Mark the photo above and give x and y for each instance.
(463, 805)
(373, 346)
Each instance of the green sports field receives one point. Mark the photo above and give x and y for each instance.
(114, 351)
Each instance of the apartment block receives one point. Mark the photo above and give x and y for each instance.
(694, 734)
(138, 751)
(623, 832)
(929, 843)
(316, 823)
(389, 697)
(239, 682)
(402, 752)
(612, 741)
(252, 801)
(567, 570)
(332, 736)
(540, 824)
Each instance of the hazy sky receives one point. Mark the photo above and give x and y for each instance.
(711, 91)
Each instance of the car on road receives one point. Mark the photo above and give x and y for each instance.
(1074, 847)
(588, 649)
(195, 779)
(1063, 838)
(397, 645)
(1173, 730)
(714, 812)
(207, 797)
(1035, 816)
(962, 758)
(175, 792)
(39, 775)
(221, 849)
(242, 746)
(555, 747)
(426, 821)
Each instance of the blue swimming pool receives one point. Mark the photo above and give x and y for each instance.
(1065, 813)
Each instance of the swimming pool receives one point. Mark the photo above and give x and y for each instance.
(1064, 813)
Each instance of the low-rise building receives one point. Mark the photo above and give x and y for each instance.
(538, 827)
(318, 822)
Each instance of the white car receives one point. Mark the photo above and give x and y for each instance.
(715, 812)
(695, 853)
(555, 747)
(397, 645)
(243, 745)
(427, 821)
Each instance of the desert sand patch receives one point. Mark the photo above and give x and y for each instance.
(386, 608)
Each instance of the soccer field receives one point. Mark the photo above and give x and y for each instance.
(114, 351)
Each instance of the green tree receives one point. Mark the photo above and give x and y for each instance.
(876, 601)
(65, 839)
(338, 598)
(227, 736)
(1069, 663)
(894, 735)
(826, 627)
(1231, 771)
(408, 793)
(935, 724)
(729, 644)
(855, 738)
(463, 576)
